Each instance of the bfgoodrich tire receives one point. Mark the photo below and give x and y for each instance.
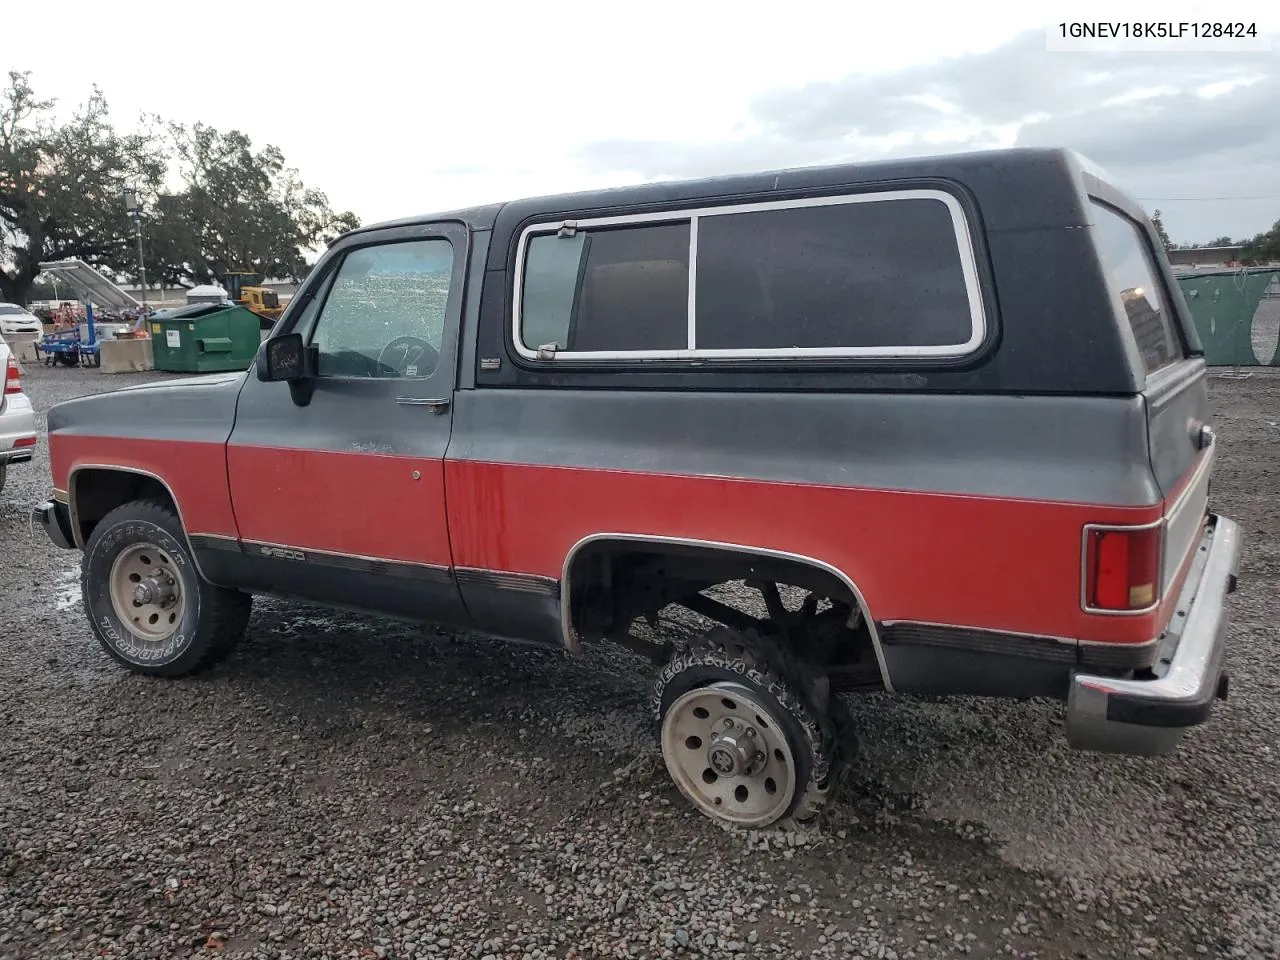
(146, 602)
(728, 697)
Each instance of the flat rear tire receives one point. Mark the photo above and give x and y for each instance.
(740, 738)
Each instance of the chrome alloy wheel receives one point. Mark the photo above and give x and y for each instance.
(727, 753)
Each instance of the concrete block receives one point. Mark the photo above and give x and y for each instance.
(25, 351)
(126, 356)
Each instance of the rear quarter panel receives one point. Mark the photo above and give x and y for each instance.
(953, 510)
(953, 494)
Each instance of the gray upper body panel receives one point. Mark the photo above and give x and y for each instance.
(1073, 449)
(200, 409)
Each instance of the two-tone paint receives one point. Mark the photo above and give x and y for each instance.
(952, 494)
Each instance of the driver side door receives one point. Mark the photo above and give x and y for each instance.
(341, 498)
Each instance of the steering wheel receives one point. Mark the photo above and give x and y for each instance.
(409, 357)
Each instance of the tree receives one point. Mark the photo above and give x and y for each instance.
(61, 186)
(1158, 223)
(241, 211)
(1265, 246)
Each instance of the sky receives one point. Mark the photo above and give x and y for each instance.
(402, 108)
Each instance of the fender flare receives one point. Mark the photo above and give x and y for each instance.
(573, 643)
(137, 471)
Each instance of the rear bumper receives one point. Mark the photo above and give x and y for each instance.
(17, 426)
(1150, 717)
(17, 454)
(55, 518)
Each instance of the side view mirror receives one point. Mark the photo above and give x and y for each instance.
(283, 358)
(288, 358)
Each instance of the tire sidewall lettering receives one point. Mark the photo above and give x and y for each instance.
(97, 594)
(703, 657)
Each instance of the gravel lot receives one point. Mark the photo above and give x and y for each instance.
(344, 787)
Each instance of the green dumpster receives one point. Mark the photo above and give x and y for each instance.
(205, 338)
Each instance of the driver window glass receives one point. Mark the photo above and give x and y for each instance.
(384, 315)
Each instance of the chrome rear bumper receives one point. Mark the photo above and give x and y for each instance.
(1150, 717)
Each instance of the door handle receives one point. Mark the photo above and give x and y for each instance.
(436, 406)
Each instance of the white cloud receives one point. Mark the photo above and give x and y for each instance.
(395, 108)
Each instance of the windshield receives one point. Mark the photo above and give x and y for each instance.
(11, 308)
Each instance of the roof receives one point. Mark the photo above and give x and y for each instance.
(672, 191)
(480, 218)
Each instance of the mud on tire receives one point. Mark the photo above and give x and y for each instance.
(746, 657)
(207, 623)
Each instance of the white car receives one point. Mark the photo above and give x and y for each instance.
(17, 322)
(17, 419)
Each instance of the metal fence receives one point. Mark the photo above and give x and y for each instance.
(1237, 314)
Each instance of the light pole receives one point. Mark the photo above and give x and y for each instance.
(134, 207)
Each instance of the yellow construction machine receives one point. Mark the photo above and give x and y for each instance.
(261, 300)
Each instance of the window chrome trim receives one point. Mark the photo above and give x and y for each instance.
(978, 324)
(692, 280)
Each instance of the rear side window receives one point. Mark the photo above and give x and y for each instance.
(1131, 272)
(855, 275)
(881, 274)
(619, 289)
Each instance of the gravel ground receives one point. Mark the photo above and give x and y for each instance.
(343, 787)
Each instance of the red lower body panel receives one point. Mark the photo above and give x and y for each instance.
(360, 504)
(195, 473)
(980, 562)
(997, 564)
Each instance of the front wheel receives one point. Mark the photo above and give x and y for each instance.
(740, 736)
(146, 602)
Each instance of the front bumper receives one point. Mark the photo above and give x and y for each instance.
(1150, 717)
(55, 518)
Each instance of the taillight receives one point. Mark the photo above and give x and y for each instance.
(25, 442)
(12, 375)
(1122, 568)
